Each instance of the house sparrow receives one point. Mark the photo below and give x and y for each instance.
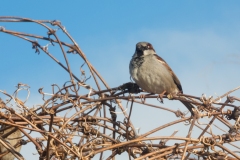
(153, 74)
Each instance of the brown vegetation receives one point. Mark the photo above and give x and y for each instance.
(85, 125)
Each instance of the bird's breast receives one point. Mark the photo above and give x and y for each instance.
(152, 76)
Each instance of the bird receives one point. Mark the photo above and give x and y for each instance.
(152, 73)
(12, 136)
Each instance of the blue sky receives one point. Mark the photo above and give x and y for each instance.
(198, 39)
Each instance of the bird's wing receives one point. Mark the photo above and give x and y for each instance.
(175, 79)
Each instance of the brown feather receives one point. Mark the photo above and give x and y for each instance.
(175, 79)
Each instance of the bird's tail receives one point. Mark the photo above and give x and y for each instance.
(189, 106)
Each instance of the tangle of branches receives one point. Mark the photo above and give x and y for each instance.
(79, 120)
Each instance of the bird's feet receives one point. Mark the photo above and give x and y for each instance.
(143, 97)
(170, 96)
(160, 96)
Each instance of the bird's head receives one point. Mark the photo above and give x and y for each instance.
(144, 48)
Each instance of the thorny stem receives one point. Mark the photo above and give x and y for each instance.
(49, 138)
